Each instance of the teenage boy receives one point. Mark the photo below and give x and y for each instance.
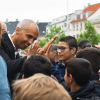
(93, 56)
(77, 74)
(67, 48)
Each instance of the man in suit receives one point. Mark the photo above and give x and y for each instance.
(25, 33)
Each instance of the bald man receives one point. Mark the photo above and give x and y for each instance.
(4, 27)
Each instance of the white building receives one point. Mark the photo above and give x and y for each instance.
(79, 19)
(62, 22)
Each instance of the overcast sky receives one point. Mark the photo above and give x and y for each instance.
(42, 10)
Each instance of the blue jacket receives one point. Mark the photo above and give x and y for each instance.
(55, 72)
(85, 91)
(95, 77)
(61, 67)
(4, 85)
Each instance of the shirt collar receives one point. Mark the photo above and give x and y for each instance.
(13, 43)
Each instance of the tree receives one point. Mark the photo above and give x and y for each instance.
(49, 35)
(90, 33)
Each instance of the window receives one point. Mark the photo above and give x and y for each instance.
(77, 26)
(98, 27)
(73, 35)
(43, 31)
(65, 24)
(81, 26)
(73, 27)
(77, 35)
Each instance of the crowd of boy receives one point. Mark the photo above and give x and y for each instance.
(54, 72)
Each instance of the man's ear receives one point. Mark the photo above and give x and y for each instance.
(17, 30)
(23, 77)
(73, 51)
(71, 78)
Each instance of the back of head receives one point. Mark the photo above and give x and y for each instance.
(39, 87)
(36, 64)
(88, 45)
(83, 41)
(92, 55)
(80, 70)
(24, 24)
(71, 41)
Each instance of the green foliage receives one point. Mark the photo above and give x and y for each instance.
(90, 33)
(49, 35)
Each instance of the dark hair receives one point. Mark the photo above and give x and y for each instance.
(54, 47)
(71, 41)
(81, 42)
(52, 61)
(88, 45)
(80, 69)
(92, 55)
(36, 64)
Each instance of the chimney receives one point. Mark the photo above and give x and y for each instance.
(6, 20)
(37, 22)
(88, 4)
(16, 20)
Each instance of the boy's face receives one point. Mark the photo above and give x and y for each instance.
(67, 80)
(64, 54)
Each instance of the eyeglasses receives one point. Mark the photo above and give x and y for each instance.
(63, 48)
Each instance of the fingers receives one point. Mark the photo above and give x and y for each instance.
(49, 48)
(47, 44)
(33, 48)
(51, 41)
(48, 51)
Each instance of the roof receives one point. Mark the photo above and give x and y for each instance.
(94, 8)
(42, 27)
(11, 26)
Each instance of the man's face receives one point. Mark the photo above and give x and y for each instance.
(26, 37)
(64, 54)
(67, 79)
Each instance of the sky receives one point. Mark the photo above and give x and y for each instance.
(42, 10)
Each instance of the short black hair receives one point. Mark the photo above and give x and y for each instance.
(36, 64)
(80, 69)
(88, 45)
(92, 55)
(71, 41)
(83, 41)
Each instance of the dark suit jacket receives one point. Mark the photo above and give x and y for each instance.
(7, 52)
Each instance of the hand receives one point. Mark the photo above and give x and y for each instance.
(33, 49)
(47, 45)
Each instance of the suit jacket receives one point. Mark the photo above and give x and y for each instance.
(14, 65)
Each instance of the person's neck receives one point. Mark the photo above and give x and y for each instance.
(75, 87)
(13, 37)
(64, 61)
